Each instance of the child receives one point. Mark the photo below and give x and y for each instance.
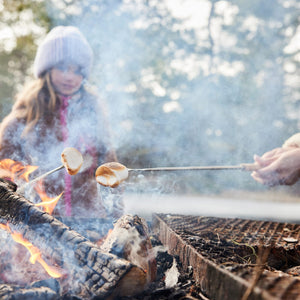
(57, 111)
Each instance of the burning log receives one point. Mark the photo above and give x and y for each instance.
(15, 292)
(129, 239)
(89, 271)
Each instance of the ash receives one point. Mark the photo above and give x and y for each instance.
(185, 288)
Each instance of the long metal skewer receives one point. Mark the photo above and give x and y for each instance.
(246, 167)
(22, 187)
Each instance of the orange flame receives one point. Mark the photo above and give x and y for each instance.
(17, 169)
(36, 255)
(48, 204)
(4, 227)
(100, 241)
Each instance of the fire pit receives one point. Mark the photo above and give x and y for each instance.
(207, 258)
(78, 258)
(235, 258)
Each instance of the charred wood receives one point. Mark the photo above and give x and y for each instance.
(12, 292)
(130, 239)
(90, 271)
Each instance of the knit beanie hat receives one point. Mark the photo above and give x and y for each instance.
(63, 44)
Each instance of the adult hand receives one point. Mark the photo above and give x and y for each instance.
(280, 166)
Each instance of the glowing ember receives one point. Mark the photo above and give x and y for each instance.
(36, 255)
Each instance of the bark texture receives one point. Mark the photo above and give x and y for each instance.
(91, 272)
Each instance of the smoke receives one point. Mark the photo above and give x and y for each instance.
(186, 93)
(14, 262)
(187, 89)
(172, 275)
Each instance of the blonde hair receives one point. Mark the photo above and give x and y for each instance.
(35, 101)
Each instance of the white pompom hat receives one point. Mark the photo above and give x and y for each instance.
(63, 44)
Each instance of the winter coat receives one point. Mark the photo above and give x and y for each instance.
(80, 123)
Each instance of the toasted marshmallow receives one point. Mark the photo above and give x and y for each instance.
(111, 174)
(72, 160)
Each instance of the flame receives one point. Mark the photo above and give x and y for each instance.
(48, 204)
(100, 241)
(36, 255)
(4, 227)
(16, 169)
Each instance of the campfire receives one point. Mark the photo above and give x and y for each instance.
(43, 257)
(40, 247)
(118, 267)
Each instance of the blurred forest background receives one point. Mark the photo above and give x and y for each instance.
(194, 82)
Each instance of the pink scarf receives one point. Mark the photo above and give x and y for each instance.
(65, 135)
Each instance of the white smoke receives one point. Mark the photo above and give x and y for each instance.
(184, 89)
(172, 275)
